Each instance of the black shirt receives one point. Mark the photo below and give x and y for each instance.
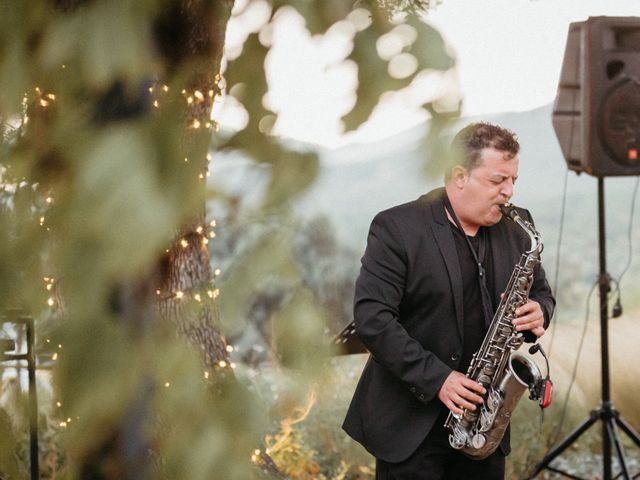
(474, 321)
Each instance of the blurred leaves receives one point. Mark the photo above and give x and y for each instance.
(87, 35)
(9, 467)
(319, 15)
(99, 170)
(116, 175)
(426, 46)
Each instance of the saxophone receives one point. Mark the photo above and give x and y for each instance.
(497, 366)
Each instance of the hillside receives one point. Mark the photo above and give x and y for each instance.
(357, 181)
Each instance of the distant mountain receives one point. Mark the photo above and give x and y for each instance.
(359, 180)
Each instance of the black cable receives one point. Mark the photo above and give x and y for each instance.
(575, 367)
(557, 268)
(618, 307)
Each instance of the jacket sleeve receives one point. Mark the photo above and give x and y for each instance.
(541, 293)
(379, 291)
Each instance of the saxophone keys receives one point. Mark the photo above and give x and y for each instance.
(478, 441)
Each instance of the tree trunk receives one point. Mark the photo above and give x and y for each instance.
(191, 35)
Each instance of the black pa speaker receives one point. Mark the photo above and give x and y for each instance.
(596, 114)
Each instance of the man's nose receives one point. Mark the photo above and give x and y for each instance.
(507, 189)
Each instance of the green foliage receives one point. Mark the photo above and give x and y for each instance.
(94, 187)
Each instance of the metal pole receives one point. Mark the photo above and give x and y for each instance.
(33, 399)
(604, 337)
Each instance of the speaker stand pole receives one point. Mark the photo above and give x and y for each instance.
(610, 417)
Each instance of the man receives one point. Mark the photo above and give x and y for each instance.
(422, 307)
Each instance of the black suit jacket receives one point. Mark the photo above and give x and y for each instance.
(408, 312)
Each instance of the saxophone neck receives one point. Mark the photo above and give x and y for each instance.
(509, 211)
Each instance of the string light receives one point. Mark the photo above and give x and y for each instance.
(42, 99)
(195, 294)
(256, 455)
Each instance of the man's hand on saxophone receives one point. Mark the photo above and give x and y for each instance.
(458, 392)
(530, 317)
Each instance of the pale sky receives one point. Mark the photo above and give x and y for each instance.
(508, 53)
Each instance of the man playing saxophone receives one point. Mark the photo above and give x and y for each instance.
(431, 279)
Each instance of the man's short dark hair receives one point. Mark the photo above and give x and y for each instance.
(472, 139)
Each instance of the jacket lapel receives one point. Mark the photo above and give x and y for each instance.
(446, 244)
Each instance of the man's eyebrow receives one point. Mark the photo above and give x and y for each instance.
(501, 176)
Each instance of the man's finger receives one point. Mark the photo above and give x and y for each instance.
(472, 385)
(454, 408)
(461, 402)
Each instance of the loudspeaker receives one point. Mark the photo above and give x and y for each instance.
(596, 115)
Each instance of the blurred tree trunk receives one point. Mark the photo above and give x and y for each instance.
(190, 36)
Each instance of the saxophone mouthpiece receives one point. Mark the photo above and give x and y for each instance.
(508, 210)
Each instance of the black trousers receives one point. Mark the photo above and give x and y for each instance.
(436, 460)
(443, 466)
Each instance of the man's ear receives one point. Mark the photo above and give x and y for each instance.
(459, 175)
